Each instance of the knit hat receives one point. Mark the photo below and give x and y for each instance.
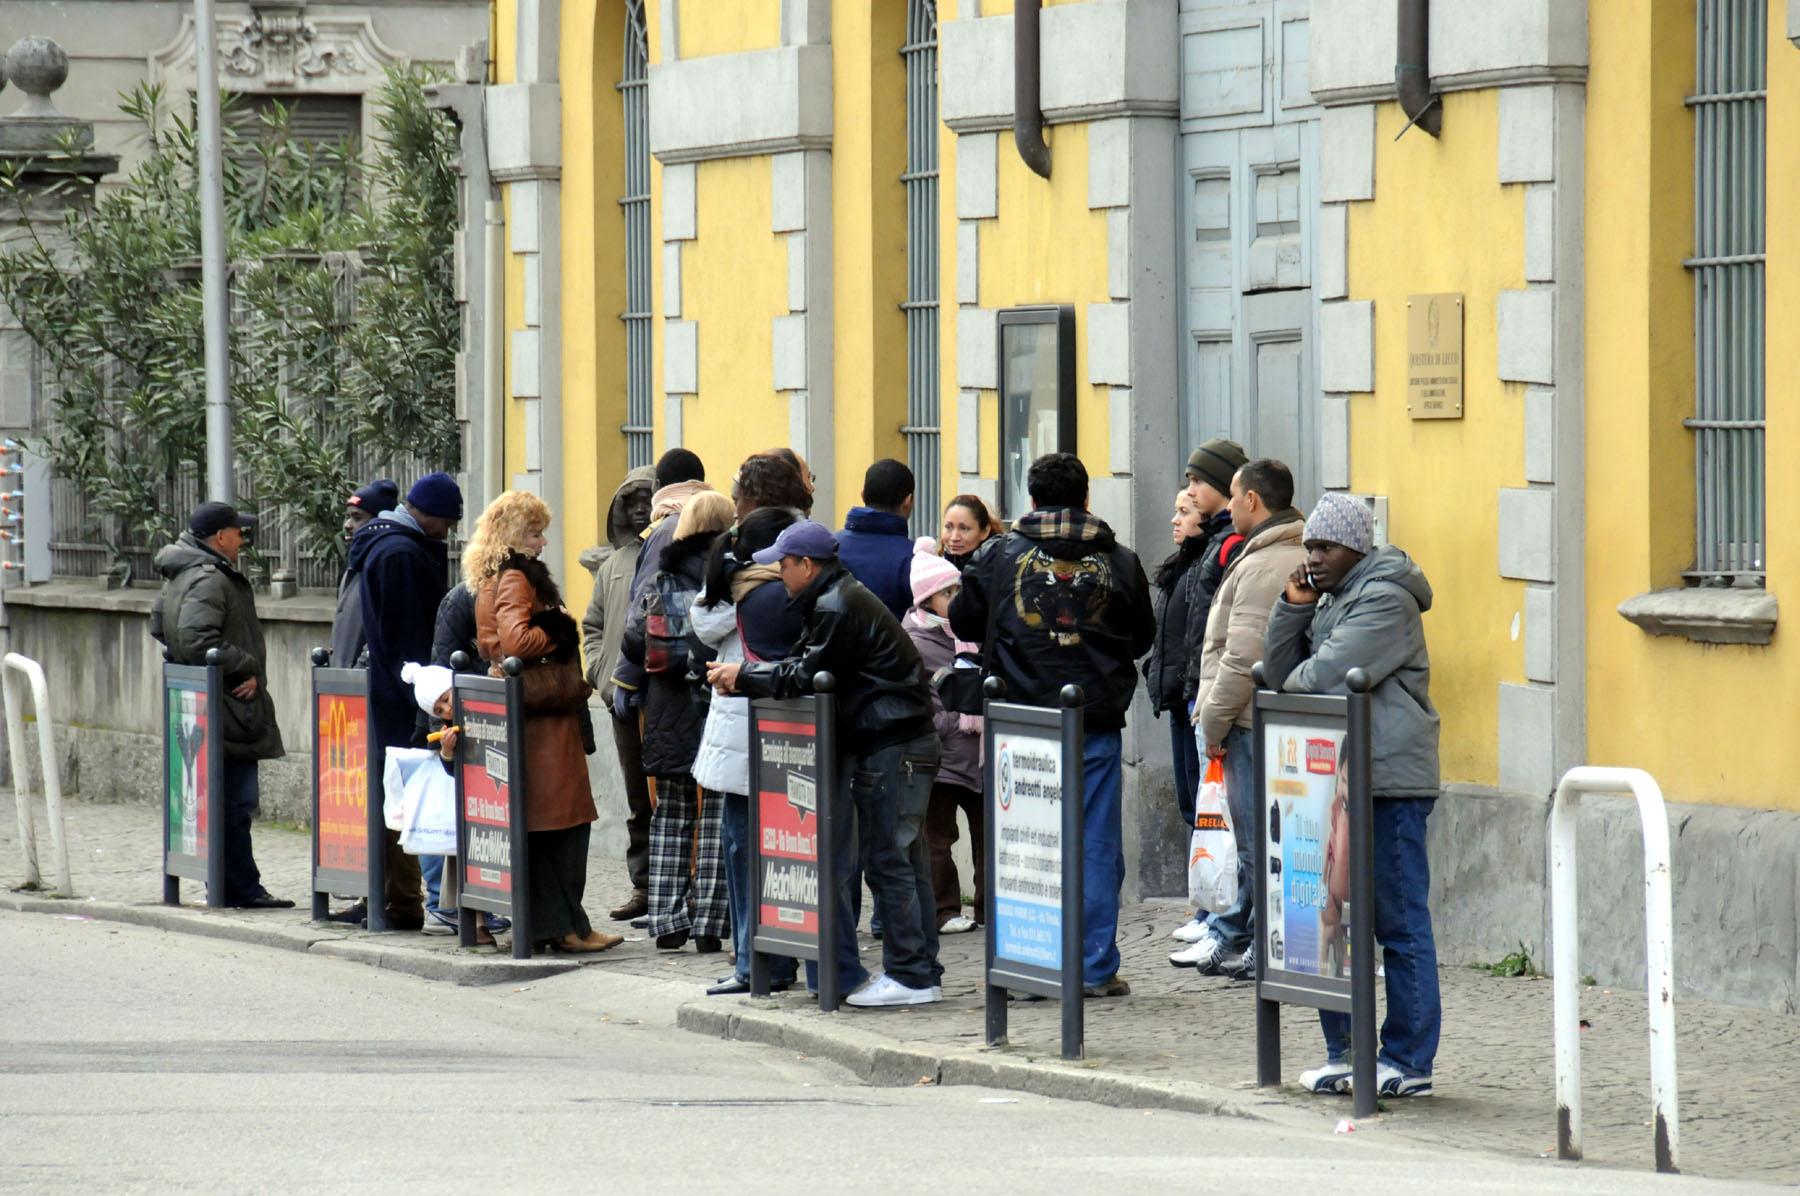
(429, 682)
(1340, 519)
(1215, 462)
(383, 494)
(437, 494)
(931, 573)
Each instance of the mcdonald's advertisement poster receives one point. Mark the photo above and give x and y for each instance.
(342, 759)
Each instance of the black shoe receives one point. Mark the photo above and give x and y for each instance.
(641, 923)
(1116, 987)
(731, 986)
(410, 922)
(354, 914)
(708, 944)
(266, 901)
(675, 940)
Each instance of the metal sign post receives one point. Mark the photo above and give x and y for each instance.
(1312, 774)
(492, 858)
(193, 779)
(793, 816)
(1034, 859)
(348, 837)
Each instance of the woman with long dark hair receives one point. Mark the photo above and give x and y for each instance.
(742, 614)
(967, 526)
(519, 612)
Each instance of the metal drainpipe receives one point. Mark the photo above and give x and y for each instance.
(1412, 68)
(1028, 118)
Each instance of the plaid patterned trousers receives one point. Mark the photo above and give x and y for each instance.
(679, 900)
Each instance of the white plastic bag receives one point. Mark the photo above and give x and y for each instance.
(401, 766)
(1212, 856)
(430, 812)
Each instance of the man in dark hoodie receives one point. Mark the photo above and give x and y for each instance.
(346, 625)
(1056, 601)
(875, 544)
(403, 564)
(1355, 606)
(602, 632)
(207, 603)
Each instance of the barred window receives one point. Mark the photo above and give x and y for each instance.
(1730, 153)
(922, 441)
(634, 206)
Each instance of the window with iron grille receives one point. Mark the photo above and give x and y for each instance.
(634, 205)
(1730, 153)
(921, 178)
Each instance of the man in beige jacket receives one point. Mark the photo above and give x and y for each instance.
(1262, 497)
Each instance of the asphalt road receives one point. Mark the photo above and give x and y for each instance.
(133, 1060)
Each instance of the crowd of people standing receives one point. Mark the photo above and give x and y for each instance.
(706, 598)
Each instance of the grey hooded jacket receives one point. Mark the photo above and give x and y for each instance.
(1371, 622)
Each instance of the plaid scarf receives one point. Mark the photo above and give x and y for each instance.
(1061, 523)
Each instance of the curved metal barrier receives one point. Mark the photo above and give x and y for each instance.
(12, 666)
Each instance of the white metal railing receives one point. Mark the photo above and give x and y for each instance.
(1659, 951)
(11, 667)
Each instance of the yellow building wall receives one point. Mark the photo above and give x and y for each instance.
(710, 27)
(1441, 222)
(734, 283)
(1719, 716)
(1047, 246)
(868, 156)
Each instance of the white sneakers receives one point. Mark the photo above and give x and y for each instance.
(1333, 1078)
(1192, 931)
(960, 924)
(882, 991)
(1205, 955)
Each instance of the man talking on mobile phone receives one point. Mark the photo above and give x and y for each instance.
(1355, 606)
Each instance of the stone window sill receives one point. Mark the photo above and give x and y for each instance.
(1706, 616)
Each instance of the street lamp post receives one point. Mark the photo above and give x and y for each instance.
(220, 483)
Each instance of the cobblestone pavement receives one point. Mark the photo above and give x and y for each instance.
(1494, 1069)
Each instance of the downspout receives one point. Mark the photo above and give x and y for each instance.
(1412, 69)
(1028, 117)
(493, 357)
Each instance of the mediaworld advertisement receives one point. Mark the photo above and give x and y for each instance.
(788, 818)
(1028, 831)
(1307, 786)
(342, 758)
(185, 776)
(487, 800)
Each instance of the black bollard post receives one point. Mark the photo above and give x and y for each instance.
(830, 811)
(1074, 790)
(993, 690)
(1362, 899)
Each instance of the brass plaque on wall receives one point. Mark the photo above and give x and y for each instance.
(1434, 356)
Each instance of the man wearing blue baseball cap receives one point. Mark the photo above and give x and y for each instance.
(890, 757)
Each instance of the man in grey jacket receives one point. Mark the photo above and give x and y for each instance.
(1353, 605)
(602, 631)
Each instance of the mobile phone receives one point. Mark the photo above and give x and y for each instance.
(1311, 582)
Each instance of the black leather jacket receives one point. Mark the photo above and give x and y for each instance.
(883, 696)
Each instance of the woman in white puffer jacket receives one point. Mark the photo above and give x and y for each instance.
(742, 600)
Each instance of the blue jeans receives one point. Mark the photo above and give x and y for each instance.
(740, 891)
(1102, 857)
(1235, 926)
(1409, 1034)
(431, 870)
(882, 798)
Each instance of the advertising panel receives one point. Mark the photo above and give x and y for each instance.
(787, 824)
(341, 755)
(186, 775)
(1307, 848)
(1028, 863)
(485, 776)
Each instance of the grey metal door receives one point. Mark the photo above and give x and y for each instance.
(1248, 208)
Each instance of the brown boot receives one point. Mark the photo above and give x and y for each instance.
(596, 940)
(637, 907)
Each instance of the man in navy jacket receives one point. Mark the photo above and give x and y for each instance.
(402, 561)
(875, 544)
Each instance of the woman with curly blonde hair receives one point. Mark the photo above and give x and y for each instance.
(519, 612)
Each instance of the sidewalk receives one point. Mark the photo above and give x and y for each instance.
(1177, 1041)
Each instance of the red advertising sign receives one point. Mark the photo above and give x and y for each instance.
(342, 757)
(487, 800)
(788, 819)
